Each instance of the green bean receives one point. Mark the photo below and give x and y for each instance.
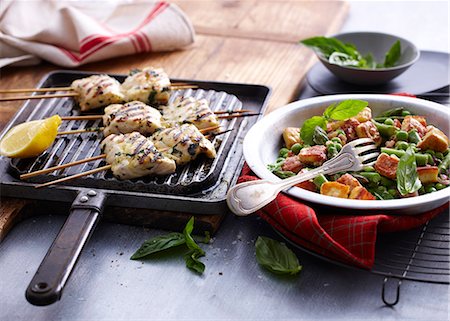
(413, 136)
(444, 165)
(381, 189)
(401, 135)
(393, 192)
(439, 186)
(383, 119)
(430, 189)
(386, 182)
(320, 136)
(421, 159)
(398, 111)
(385, 130)
(283, 152)
(401, 145)
(319, 180)
(296, 148)
(406, 113)
(372, 177)
(280, 160)
(430, 160)
(429, 151)
(338, 146)
(422, 190)
(369, 169)
(332, 151)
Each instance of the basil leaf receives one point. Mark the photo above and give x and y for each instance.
(192, 261)
(276, 257)
(158, 244)
(309, 126)
(326, 46)
(393, 55)
(345, 109)
(191, 258)
(367, 62)
(407, 177)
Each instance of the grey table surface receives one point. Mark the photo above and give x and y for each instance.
(106, 285)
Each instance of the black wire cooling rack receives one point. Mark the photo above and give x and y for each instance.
(421, 255)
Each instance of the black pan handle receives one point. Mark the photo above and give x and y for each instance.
(48, 282)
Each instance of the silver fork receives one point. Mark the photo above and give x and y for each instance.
(246, 198)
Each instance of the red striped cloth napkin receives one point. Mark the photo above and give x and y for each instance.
(72, 33)
(346, 238)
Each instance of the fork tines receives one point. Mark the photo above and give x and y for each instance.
(366, 150)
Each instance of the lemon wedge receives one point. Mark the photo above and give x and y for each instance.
(31, 138)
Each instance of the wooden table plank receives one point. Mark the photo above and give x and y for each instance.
(237, 41)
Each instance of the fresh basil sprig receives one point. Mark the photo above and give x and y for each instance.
(346, 54)
(342, 111)
(276, 257)
(174, 239)
(407, 177)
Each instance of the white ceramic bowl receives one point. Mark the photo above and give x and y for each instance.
(264, 140)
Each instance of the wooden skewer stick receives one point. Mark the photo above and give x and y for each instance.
(31, 90)
(208, 129)
(55, 168)
(80, 131)
(183, 87)
(238, 115)
(232, 111)
(212, 135)
(38, 97)
(64, 179)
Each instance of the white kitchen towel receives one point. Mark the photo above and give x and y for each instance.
(72, 33)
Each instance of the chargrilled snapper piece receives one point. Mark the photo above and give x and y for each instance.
(151, 86)
(183, 143)
(133, 155)
(190, 110)
(97, 91)
(131, 117)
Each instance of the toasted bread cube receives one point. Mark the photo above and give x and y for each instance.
(364, 115)
(368, 129)
(418, 123)
(435, 140)
(428, 174)
(335, 189)
(314, 155)
(387, 165)
(349, 180)
(361, 193)
(291, 136)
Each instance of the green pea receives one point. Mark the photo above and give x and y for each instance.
(369, 169)
(406, 113)
(296, 148)
(336, 140)
(430, 189)
(338, 147)
(283, 152)
(439, 186)
(439, 155)
(393, 192)
(413, 136)
(389, 121)
(319, 180)
(402, 135)
(280, 160)
(401, 145)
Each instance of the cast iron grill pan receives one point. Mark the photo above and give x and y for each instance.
(199, 187)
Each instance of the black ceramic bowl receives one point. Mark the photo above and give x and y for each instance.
(378, 44)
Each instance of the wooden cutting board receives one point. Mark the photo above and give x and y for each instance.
(237, 41)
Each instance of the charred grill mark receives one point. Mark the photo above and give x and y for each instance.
(139, 145)
(192, 149)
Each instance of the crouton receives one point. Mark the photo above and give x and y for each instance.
(349, 128)
(335, 189)
(314, 155)
(369, 130)
(361, 193)
(349, 180)
(291, 136)
(415, 122)
(364, 115)
(292, 164)
(387, 165)
(435, 140)
(428, 174)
